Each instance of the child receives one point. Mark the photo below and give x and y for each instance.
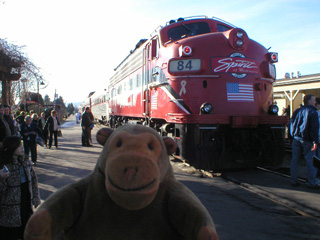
(18, 189)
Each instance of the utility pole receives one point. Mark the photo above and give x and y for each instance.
(38, 93)
(24, 80)
(54, 99)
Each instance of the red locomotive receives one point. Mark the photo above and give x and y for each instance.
(208, 85)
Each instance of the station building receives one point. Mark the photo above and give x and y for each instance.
(289, 92)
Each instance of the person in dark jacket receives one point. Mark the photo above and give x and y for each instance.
(4, 126)
(9, 120)
(20, 118)
(29, 131)
(304, 129)
(86, 124)
(41, 123)
(52, 125)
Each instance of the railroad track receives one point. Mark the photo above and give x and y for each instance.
(283, 172)
(290, 204)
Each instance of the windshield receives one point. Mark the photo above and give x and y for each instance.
(188, 30)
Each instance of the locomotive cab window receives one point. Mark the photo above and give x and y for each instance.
(222, 28)
(192, 29)
(154, 49)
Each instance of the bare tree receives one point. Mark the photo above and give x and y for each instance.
(18, 63)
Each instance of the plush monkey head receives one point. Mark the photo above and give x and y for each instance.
(134, 161)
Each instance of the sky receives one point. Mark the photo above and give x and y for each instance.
(77, 44)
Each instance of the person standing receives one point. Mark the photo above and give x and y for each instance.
(41, 123)
(304, 129)
(28, 131)
(18, 190)
(52, 125)
(318, 148)
(91, 125)
(20, 118)
(78, 117)
(4, 126)
(34, 117)
(86, 124)
(9, 120)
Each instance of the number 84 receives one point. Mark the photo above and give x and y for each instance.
(182, 66)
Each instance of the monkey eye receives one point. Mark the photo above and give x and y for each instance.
(119, 143)
(150, 146)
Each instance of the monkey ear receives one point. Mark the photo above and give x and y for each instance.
(103, 134)
(170, 145)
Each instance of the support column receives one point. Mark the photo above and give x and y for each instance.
(4, 88)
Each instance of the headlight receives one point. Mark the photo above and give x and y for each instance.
(238, 38)
(273, 110)
(240, 34)
(206, 108)
(239, 42)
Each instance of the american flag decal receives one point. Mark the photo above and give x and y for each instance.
(240, 92)
(154, 101)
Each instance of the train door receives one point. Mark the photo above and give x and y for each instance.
(107, 103)
(145, 81)
(150, 53)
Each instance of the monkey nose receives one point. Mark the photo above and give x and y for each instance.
(130, 173)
